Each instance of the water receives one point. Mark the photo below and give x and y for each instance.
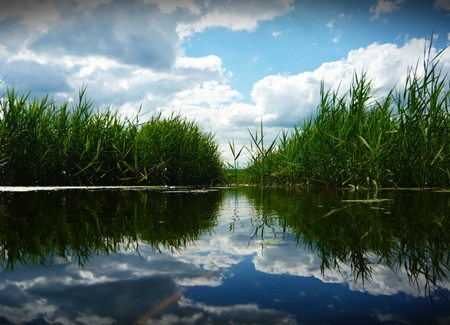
(232, 256)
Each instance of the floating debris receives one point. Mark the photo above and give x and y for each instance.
(368, 201)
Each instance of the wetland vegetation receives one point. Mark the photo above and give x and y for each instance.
(354, 139)
(358, 140)
(43, 143)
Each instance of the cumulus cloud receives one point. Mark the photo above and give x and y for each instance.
(44, 77)
(211, 62)
(287, 98)
(235, 15)
(284, 99)
(385, 7)
(127, 56)
(113, 32)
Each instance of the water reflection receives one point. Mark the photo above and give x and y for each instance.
(359, 233)
(38, 227)
(247, 256)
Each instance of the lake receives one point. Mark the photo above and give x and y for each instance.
(242, 255)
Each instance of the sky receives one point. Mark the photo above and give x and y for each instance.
(226, 64)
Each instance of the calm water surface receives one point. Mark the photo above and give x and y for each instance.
(232, 256)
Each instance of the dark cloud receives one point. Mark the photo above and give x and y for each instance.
(124, 301)
(31, 76)
(13, 32)
(11, 296)
(134, 34)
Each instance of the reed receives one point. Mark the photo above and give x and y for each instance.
(177, 151)
(235, 166)
(260, 168)
(358, 140)
(43, 143)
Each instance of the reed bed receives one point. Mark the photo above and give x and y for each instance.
(357, 140)
(43, 143)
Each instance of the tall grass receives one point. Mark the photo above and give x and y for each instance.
(358, 140)
(177, 151)
(42, 143)
(234, 167)
(261, 165)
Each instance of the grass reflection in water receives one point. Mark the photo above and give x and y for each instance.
(403, 230)
(39, 227)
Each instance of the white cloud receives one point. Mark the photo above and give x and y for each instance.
(209, 94)
(235, 15)
(442, 4)
(282, 100)
(330, 24)
(336, 39)
(385, 7)
(292, 97)
(275, 34)
(28, 312)
(211, 62)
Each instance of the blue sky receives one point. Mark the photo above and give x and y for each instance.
(226, 64)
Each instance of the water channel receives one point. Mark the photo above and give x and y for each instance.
(242, 255)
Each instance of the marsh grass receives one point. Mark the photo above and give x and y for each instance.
(261, 165)
(357, 140)
(234, 167)
(178, 152)
(43, 143)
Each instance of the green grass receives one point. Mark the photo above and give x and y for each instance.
(358, 140)
(43, 143)
(355, 139)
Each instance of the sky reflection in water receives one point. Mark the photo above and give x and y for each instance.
(245, 265)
